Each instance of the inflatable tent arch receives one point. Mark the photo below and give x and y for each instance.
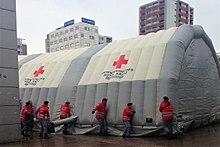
(179, 62)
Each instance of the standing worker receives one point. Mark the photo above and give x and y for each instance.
(101, 110)
(42, 114)
(126, 118)
(31, 107)
(65, 113)
(166, 109)
(24, 121)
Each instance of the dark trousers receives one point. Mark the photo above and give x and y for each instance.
(65, 129)
(168, 127)
(43, 130)
(103, 125)
(127, 130)
(26, 128)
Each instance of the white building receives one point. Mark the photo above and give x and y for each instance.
(218, 55)
(104, 39)
(81, 34)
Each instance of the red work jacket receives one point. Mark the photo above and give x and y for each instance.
(101, 110)
(23, 111)
(166, 109)
(127, 113)
(43, 112)
(65, 111)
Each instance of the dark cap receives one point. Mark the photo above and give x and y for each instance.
(166, 98)
(129, 104)
(67, 102)
(46, 102)
(104, 99)
(27, 103)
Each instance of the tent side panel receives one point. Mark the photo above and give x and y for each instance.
(88, 104)
(112, 95)
(149, 108)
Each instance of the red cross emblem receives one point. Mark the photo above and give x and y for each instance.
(120, 61)
(39, 71)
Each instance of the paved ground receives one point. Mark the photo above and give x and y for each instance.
(202, 137)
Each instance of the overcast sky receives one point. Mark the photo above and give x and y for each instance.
(116, 18)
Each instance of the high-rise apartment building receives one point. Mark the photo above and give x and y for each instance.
(163, 14)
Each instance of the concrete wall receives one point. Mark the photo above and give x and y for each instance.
(9, 105)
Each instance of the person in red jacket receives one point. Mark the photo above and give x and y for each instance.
(31, 123)
(65, 113)
(42, 114)
(166, 109)
(101, 110)
(126, 118)
(24, 122)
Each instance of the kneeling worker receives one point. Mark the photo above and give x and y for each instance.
(65, 113)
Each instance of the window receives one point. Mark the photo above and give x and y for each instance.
(66, 31)
(56, 41)
(76, 36)
(67, 46)
(91, 37)
(86, 44)
(70, 37)
(82, 35)
(77, 28)
(71, 29)
(61, 33)
(52, 36)
(72, 45)
(77, 44)
(61, 47)
(51, 43)
(65, 39)
(61, 40)
(56, 34)
(87, 28)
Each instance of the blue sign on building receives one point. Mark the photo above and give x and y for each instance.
(89, 21)
(68, 23)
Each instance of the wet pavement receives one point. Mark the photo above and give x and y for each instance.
(203, 137)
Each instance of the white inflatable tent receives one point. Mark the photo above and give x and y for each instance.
(179, 62)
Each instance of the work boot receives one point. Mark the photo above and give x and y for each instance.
(41, 135)
(46, 136)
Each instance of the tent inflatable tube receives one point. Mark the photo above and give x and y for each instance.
(180, 63)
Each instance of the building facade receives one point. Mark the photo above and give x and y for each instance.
(21, 47)
(163, 14)
(104, 39)
(72, 36)
(9, 87)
